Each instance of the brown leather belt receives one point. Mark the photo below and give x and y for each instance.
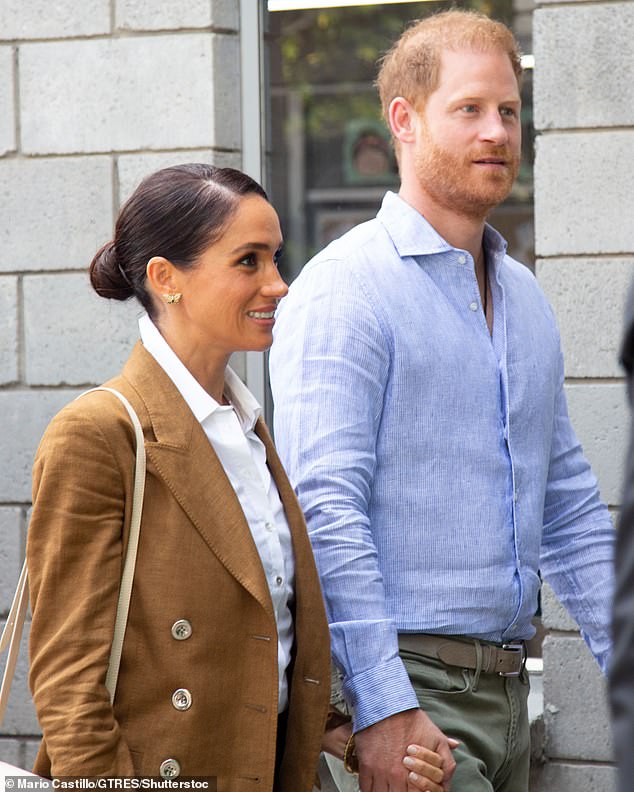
(507, 660)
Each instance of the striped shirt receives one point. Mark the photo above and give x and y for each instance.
(436, 463)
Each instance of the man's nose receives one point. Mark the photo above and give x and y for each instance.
(494, 129)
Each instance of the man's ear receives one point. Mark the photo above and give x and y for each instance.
(403, 120)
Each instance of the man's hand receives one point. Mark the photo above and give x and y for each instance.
(382, 746)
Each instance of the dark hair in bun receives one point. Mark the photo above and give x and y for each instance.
(176, 213)
(107, 278)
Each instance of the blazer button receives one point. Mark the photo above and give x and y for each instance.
(170, 768)
(181, 630)
(182, 699)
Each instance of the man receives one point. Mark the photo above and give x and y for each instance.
(420, 412)
(622, 666)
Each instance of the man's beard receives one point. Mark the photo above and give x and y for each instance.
(454, 182)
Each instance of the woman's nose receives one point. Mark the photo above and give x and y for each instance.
(274, 285)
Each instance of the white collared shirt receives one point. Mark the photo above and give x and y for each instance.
(230, 430)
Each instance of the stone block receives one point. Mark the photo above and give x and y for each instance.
(599, 415)
(42, 19)
(54, 213)
(144, 92)
(561, 777)
(7, 101)
(584, 66)
(87, 350)
(162, 14)
(133, 168)
(588, 296)
(225, 14)
(11, 751)
(575, 702)
(29, 752)
(8, 329)
(19, 751)
(583, 195)
(226, 71)
(11, 525)
(177, 14)
(20, 716)
(24, 416)
(554, 615)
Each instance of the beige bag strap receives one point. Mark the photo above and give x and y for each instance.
(12, 633)
(11, 636)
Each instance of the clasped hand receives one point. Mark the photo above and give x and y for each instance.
(402, 753)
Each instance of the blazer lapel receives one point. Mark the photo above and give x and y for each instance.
(184, 458)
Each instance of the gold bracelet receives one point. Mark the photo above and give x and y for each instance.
(350, 761)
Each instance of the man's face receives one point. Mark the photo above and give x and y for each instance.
(469, 136)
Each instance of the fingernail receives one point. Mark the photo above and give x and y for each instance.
(409, 762)
(413, 777)
(412, 749)
(452, 742)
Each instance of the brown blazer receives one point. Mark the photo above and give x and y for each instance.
(196, 562)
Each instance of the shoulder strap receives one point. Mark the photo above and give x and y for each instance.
(12, 633)
(11, 636)
(127, 577)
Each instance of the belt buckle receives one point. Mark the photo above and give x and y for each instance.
(518, 648)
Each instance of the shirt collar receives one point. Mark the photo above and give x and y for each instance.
(198, 400)
(413, 235)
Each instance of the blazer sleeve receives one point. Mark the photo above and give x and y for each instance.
(74, 555)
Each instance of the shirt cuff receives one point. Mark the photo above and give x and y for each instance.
(379, 692)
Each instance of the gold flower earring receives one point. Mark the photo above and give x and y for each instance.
(172, 299)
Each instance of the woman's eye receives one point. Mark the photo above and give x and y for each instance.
(249, 261)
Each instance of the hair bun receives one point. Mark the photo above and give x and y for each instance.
(107, 276)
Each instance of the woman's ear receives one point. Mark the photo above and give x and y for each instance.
(162, 276)
(403, 120)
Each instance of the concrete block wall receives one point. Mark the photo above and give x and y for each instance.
(583, 110)
(93, 96)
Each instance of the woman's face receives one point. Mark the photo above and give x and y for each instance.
(230, 294)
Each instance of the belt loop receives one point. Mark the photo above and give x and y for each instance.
(478, 670)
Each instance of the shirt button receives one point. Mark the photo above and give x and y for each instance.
(268, 526)
(279, 580)
(181, 630)
(182, 699)
(461, 259)
(474, 306)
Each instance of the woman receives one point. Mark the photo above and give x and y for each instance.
(225, 665)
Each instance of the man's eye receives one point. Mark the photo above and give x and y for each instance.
(470, 108)
(509, 112)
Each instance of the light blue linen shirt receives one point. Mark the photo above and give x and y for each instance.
(435, 463)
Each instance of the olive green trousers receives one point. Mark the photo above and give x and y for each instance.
(487, 713)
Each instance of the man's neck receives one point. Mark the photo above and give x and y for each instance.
(459, 230)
